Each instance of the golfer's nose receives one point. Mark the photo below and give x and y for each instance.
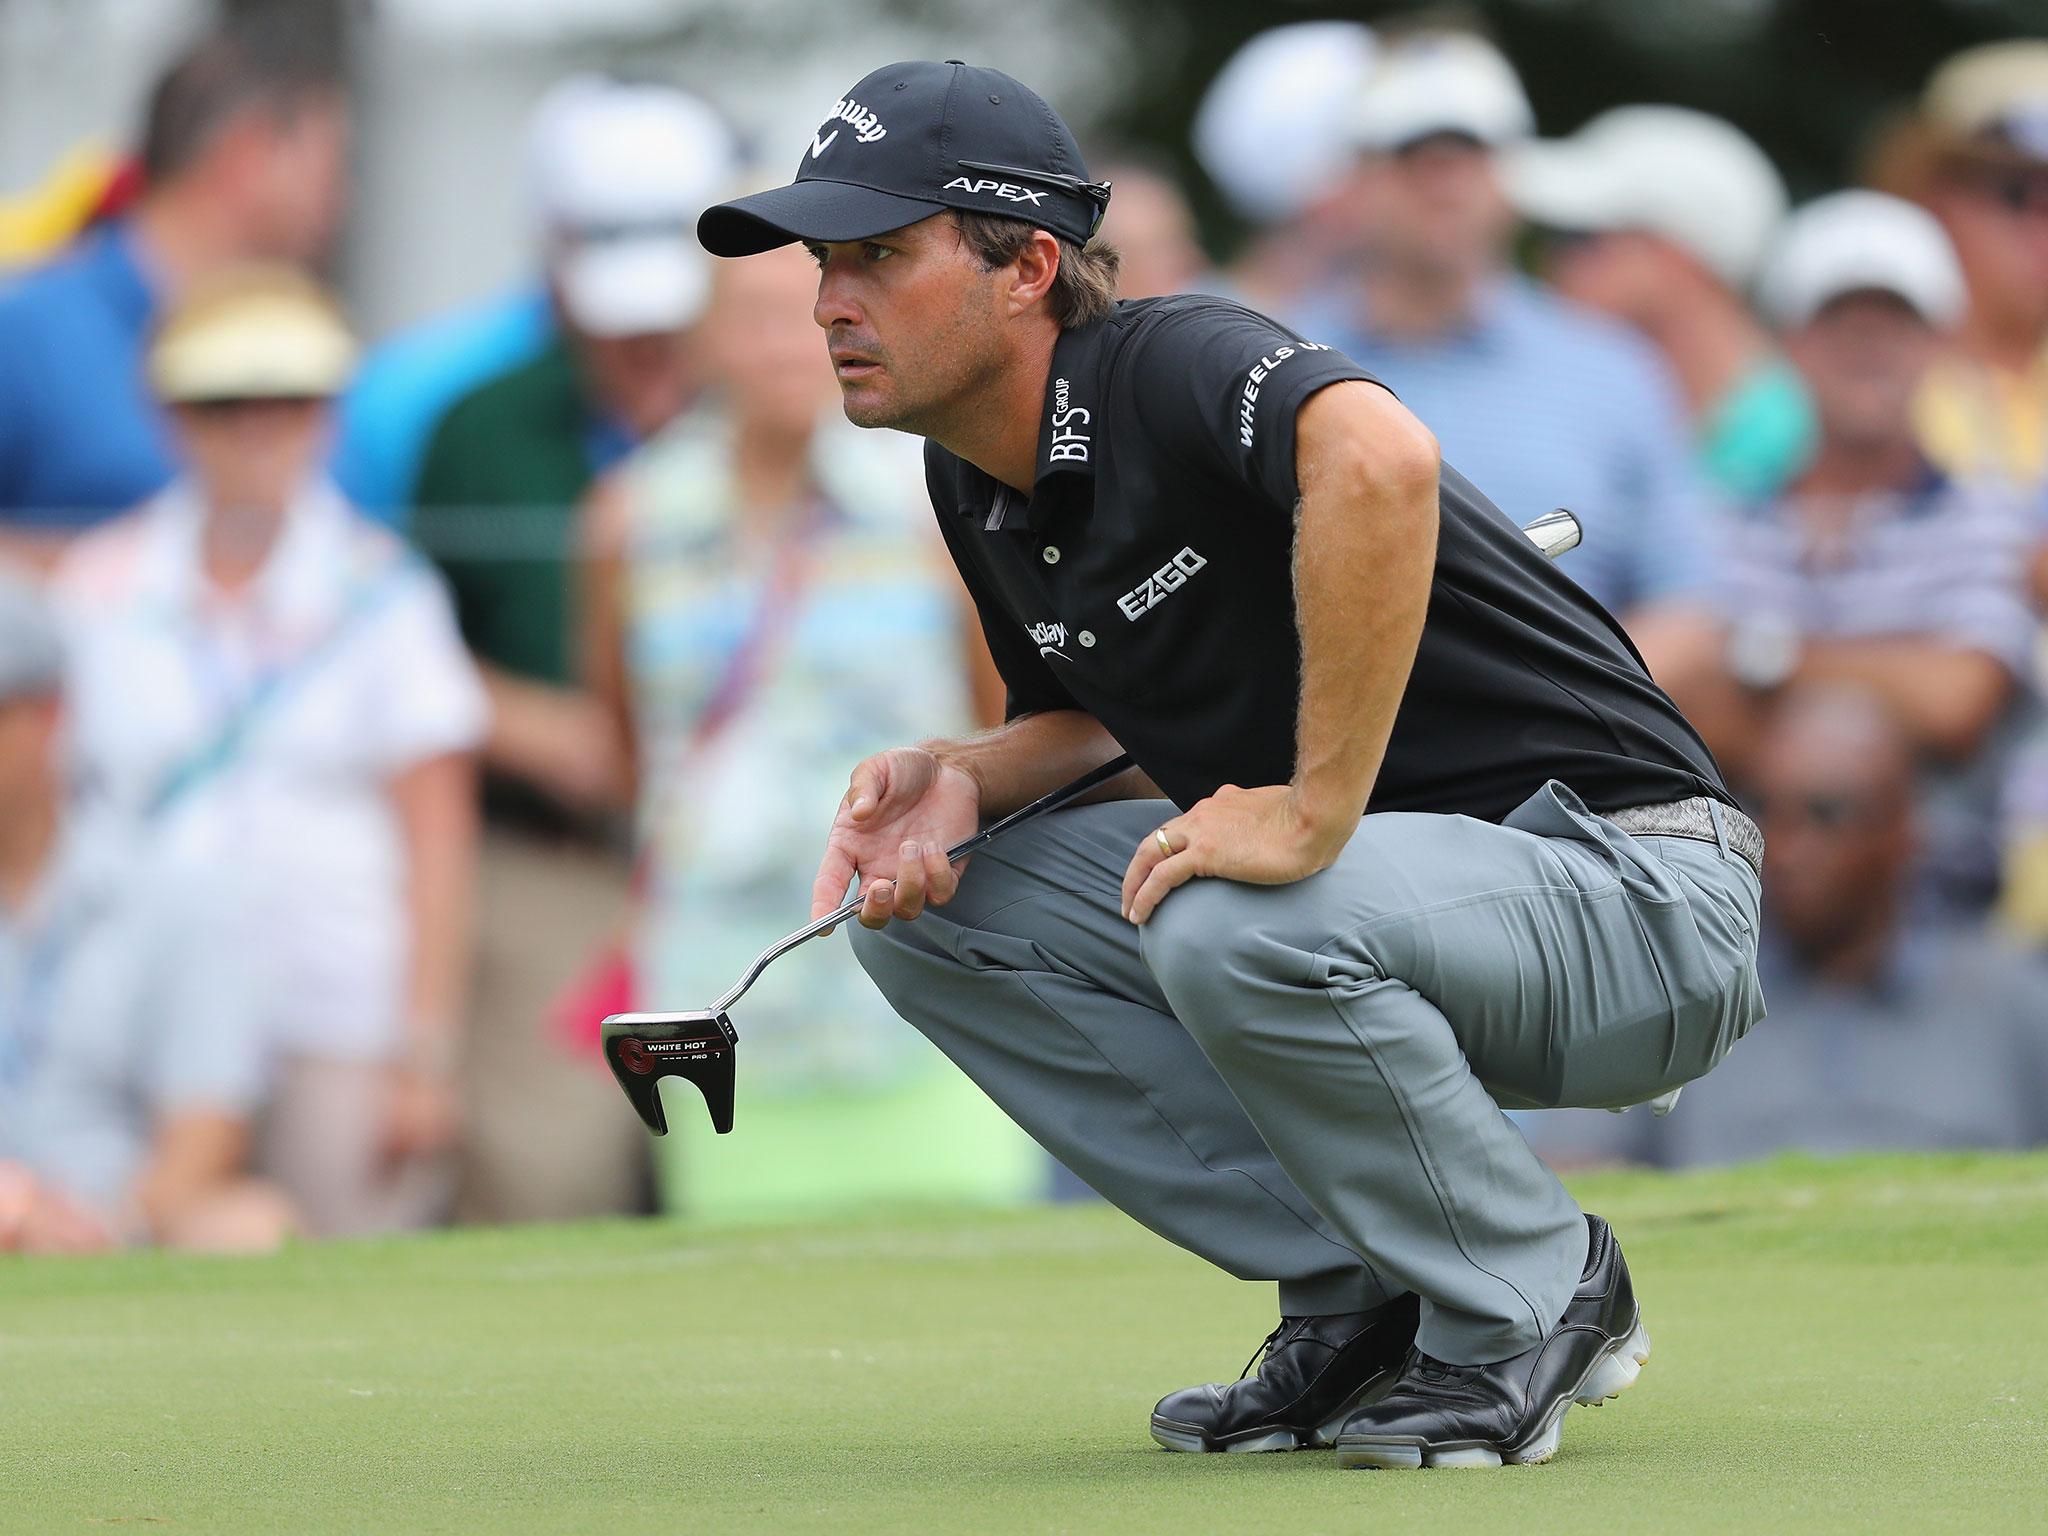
(835, 304)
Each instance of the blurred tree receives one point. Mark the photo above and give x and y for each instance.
(1810, 80)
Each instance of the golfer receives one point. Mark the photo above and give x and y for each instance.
(1413, 836)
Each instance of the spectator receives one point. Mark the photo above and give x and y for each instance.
(1540, 404)
(589, 185)
(1983, 411)
(1153, 229)
(1875, 568)
(130, 1037)
(1660, 217)
(1883, 1032)
(264, 680)
(772, 603)
(628, 168)
(1270, 134)
(242, 157)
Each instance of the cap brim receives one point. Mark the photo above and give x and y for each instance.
(634, 287)
(806, 210)
(1559, 184)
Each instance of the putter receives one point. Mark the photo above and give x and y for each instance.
(644, 1048)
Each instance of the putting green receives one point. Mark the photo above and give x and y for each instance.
(1854, 1346)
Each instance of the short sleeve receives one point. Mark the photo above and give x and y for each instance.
(428, 699)
(1221, 384)
(1031, 686)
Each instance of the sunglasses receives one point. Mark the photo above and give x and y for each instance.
(225, 407)
(2017, 191)
(1097, 192)
(1822, 810)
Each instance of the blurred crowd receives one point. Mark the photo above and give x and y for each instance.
(373, 722)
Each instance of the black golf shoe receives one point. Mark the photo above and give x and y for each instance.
(1439, 1415)
(1315, 1371)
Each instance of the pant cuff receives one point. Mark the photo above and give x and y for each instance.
(1356, 1290)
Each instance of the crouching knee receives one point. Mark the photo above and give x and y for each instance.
(1209, 940)
(883, 952)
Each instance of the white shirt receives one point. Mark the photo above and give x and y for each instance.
(341, 662)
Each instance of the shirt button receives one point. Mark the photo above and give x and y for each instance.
(1050, 554)
(1087, 637)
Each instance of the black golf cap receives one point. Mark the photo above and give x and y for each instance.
(909, 141)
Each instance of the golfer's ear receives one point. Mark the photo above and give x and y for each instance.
(1036, 267)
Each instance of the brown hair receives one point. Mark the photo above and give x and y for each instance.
(253, 64)
(1082, 290)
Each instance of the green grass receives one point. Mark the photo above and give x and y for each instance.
(1851, 1347)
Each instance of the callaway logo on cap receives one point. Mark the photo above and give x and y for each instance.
(911, 140)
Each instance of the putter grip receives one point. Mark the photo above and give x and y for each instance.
(1094, 778)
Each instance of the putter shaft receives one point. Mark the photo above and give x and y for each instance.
(1092, 779)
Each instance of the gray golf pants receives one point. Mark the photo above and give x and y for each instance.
(1305, 1082)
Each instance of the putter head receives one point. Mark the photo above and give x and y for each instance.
(643, 1048)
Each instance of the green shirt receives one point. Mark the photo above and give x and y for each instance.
(1760, 434)
(496, 510)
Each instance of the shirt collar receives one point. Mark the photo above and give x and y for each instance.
(1069, 434)
(1496, 304)
(300, 580)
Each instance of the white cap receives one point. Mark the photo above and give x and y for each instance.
(1441, 82)
(1271, 127)
(1851, 241)
(1695, 180)
(620, 173)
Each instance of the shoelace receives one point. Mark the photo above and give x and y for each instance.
(1266, 1345)
(1429, 1368)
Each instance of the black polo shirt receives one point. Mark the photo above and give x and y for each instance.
(1148, 581)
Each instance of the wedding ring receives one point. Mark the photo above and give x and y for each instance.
(1165, 843)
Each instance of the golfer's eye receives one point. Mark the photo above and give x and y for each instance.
(815, 252)
(874, 252)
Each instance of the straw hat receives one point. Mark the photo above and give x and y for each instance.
(1992, 102)
(257, 333)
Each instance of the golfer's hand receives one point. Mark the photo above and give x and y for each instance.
(902, 811)
(1259, 836)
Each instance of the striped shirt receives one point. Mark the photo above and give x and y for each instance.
(1942, 560)
(1544, 405)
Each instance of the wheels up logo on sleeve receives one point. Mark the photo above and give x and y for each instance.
(1248, 404)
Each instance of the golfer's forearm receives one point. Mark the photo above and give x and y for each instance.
(1364, 554)
(1034, 754)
